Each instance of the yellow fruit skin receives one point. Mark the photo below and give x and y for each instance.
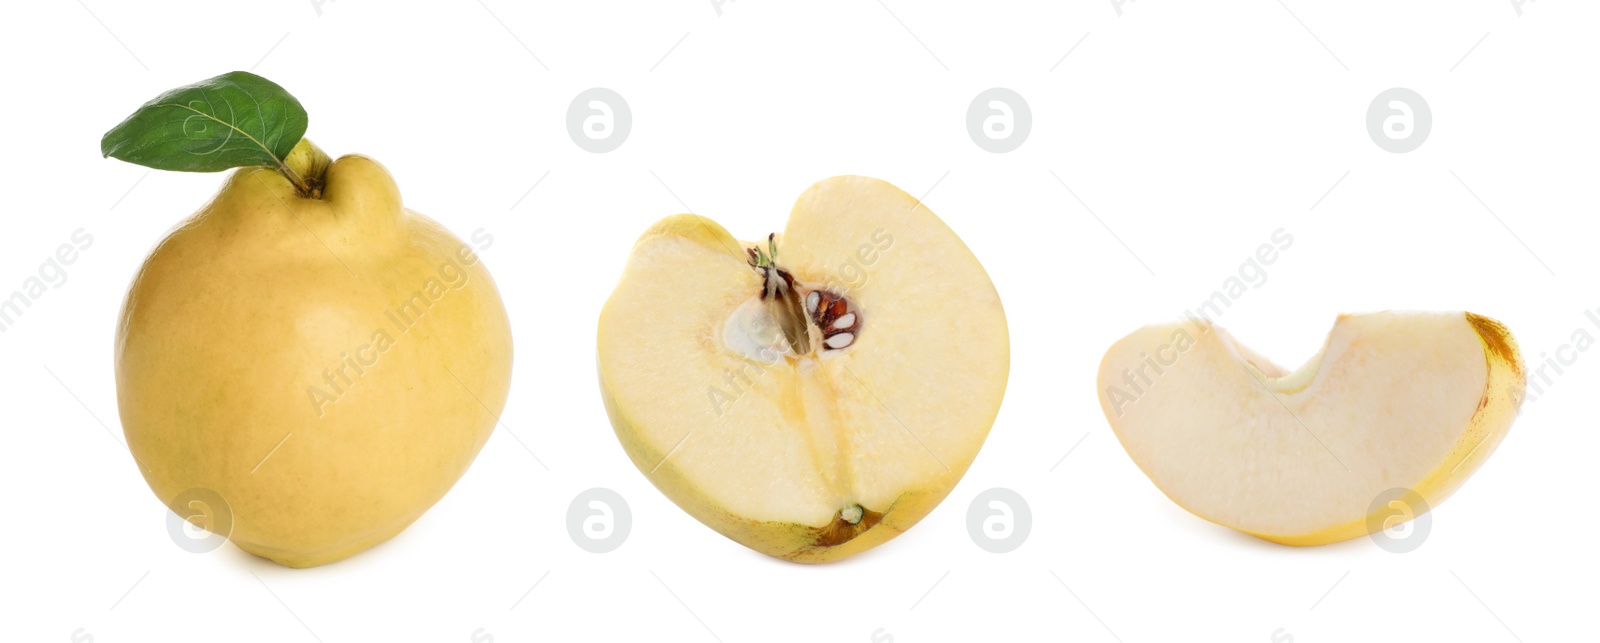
(1503, 392)
(255, 300)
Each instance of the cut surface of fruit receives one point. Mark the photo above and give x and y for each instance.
(814, 393)
(1412, 401)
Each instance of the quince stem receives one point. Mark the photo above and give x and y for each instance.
(307, 168)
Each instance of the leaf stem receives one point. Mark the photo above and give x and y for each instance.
(300, 184)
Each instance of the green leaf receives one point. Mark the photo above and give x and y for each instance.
(233, 120)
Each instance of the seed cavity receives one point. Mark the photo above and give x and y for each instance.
(794, 309)
(782, 298)
(753, 333)
(836, 316)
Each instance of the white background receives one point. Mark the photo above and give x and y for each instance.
(1189, 133)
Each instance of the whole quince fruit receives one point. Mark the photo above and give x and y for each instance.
(327, 364)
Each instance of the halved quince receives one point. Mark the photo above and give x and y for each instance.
(1394, 401)
(815, 393)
